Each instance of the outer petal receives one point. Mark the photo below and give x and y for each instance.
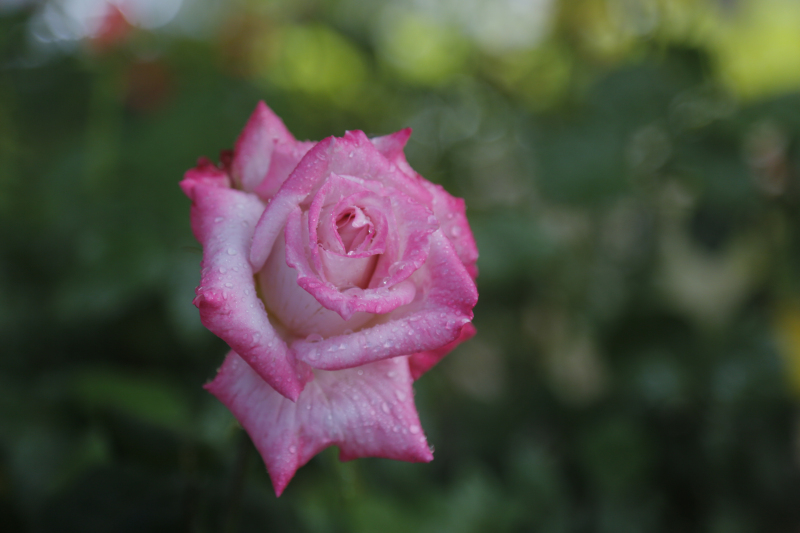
(367, 412)
(421, 362)
(352, 155)
(223, 220)
(435, 317)
(450, 211)
(265, 153)
(391, 146)
(452, 215)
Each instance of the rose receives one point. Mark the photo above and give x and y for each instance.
(338, 276)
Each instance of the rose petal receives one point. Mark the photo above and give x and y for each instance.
(222, 220)
(332, 261)
(435, 318)
(380, 300)
(451, 212)
(265, 153)
(351, 155)
(299, 312)
(391, 146)
(366, 412)
(421, 362)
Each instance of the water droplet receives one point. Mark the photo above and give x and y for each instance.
(414, 429)
(231, 251)
(219, 219)
(313, 355)
(229, 285)
(314, 337)
(391, 374)
(222, 270)
(400, 395)
(450, 216)
(348, 332)
(360, 372)
(350, 154)
(292, 449)
(385, 407)
(455, 231)
(387, 344)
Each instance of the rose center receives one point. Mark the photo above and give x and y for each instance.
(355, 230)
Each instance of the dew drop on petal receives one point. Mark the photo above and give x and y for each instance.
(360, 372)
(455, 231)
(222, 270)
(293, 449)
(385, 407)
(400, 395)
(229, 285)
(314, 337)
(414, 429)
(231, 251)
(219, 219)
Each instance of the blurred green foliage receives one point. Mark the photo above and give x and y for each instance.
(632, 174)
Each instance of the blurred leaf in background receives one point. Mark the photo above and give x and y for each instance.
(632, 173)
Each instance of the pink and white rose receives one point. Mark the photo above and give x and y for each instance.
(338, 276)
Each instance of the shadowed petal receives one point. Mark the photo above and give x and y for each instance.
(421, 362)
(222, 220)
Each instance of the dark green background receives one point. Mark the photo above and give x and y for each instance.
(636, 366)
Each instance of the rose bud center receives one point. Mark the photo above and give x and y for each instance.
(355, 230)
(347, 252)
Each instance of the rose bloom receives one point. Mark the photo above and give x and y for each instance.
(338, 276)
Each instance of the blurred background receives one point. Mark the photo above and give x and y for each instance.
(632, 175)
